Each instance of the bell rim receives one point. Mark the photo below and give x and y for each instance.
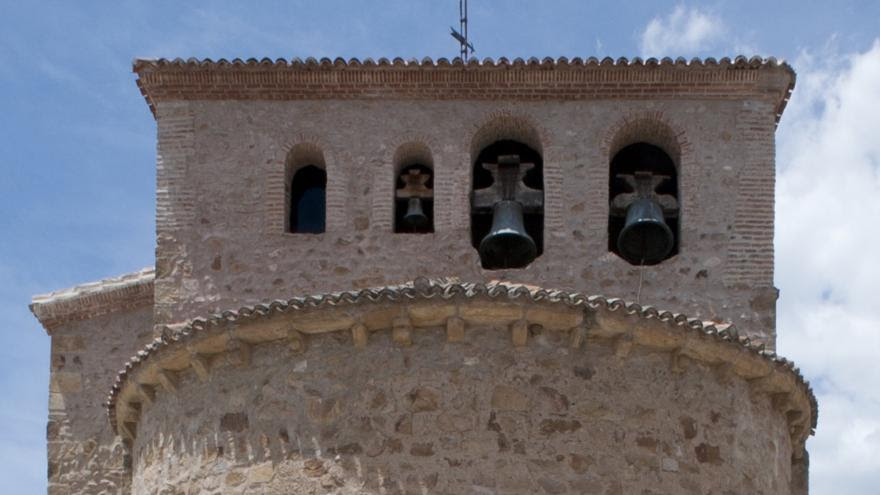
(669, 243)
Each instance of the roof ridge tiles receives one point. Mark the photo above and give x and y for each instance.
(92, 299)
(98, 286)
(739, 62)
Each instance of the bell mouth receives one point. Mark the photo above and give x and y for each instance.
(507, 250)
(415, 216)
(507, 245)
(646, 239)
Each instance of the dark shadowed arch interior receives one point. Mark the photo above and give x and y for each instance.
(641, 157)
(481, 222)
(402, 205)
(308, 200)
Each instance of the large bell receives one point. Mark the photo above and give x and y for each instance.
(415, 217)
(645, 238)
(507, 245)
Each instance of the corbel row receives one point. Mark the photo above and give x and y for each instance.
(233, 346)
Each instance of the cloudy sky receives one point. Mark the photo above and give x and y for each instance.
(77, 159)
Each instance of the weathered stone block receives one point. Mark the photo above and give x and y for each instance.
(558, 318)
(507, 398)
(454, 329)
(68, 343)
(520, 333)
(359, 335)
(65, 382)
(431, 314)
(483, 313)
(401, 331)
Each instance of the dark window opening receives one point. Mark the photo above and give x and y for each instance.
(650, 166)
(308, 200)
(531, 197)
(414, 200)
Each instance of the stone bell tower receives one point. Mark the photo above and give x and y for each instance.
(491, 277)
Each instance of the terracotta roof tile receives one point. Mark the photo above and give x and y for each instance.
(738, 62)
(94, 298)
(575, 78)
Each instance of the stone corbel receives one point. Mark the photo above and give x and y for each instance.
(454, 329)
(359, 335)
(167, 380)
(401, 331)
(297, 340)
(519, 331)
(238, 352)
(201, 365)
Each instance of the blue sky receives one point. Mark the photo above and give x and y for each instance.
(78, 160)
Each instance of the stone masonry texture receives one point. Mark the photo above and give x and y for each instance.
(229, 248)
(474, 417)
(85, 455)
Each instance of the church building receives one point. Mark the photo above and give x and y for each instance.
(414, 276)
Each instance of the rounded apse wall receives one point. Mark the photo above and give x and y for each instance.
(477, 416)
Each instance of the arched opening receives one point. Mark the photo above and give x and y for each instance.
(507, 204)
(414, 200)
(643, 224)
(308, 201)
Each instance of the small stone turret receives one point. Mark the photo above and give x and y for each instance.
(324, 317)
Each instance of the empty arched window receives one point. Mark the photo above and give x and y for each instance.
(414, 200)
(643, 225)
(507, 205)
(308, 201)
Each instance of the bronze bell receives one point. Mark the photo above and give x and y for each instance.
(415, 217)
(507, 245)
(645, 238)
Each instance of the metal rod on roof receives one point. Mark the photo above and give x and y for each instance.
(462, 34)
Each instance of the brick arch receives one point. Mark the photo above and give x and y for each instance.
(507, 125)
(302, 154)
(290, 155)
(415, 151)
(302, 141)
(647, 127)
(657, 129)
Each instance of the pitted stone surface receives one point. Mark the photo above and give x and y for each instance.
(723, 272)
(473, 417)
(84, 453)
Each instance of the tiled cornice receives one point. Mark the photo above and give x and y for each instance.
(717, 344)
(85, 301)
(518, 79)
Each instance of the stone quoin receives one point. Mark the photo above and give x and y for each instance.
(324, 314)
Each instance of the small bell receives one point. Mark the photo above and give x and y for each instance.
(507, 245)
(645, 237)
(415, 217)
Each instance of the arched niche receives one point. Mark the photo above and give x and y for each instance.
(644, 221)
(413, 189)
(507, 143)
(306, 190)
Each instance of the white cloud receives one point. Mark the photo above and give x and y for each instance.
(828, 214)
(686, 31)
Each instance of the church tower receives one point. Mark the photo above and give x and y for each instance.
(492, 277)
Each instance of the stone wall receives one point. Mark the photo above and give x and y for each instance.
(85, 456)
(221, 201)
(478, 416)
